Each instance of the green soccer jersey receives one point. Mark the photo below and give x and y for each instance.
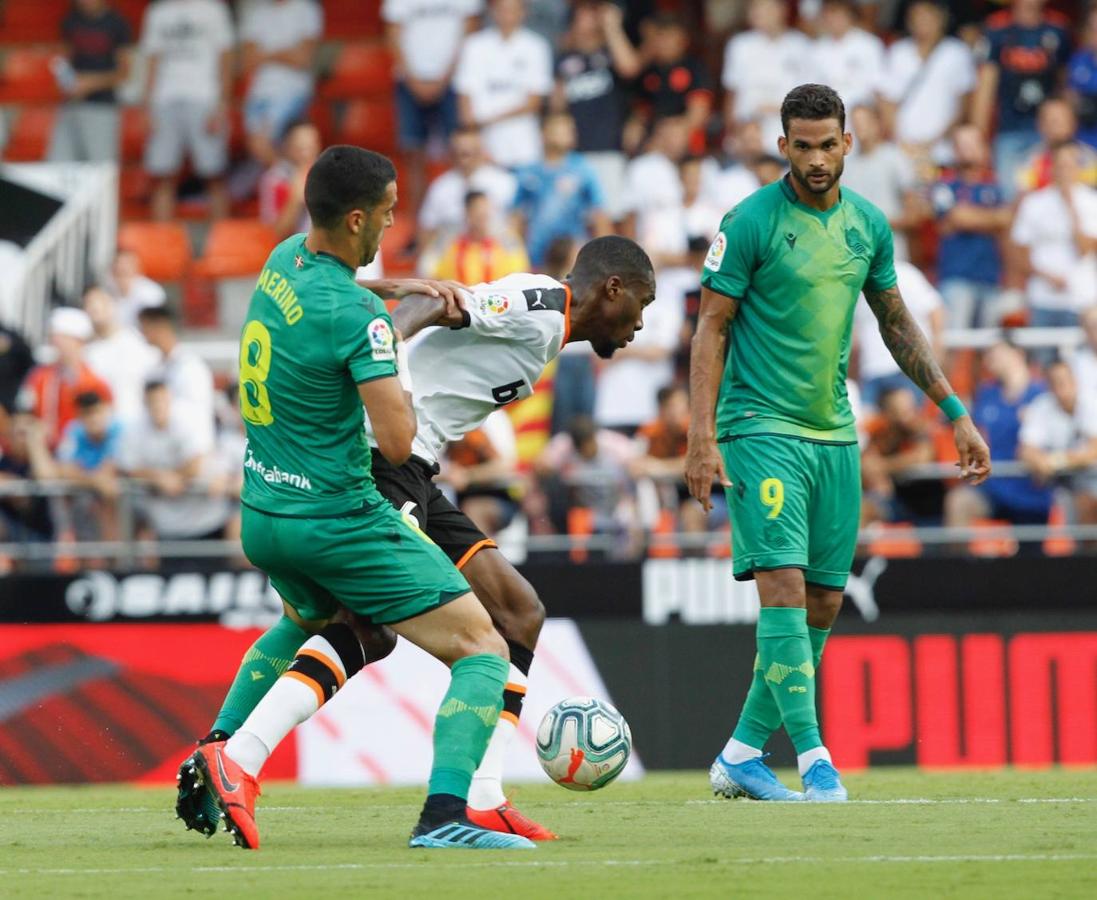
(797, 273)
(310, 338)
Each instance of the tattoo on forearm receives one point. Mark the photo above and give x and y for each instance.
(904, 338)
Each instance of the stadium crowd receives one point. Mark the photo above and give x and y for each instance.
(524, 128)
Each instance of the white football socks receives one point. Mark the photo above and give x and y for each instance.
(736, 752)
(486, 790)
(805, 760)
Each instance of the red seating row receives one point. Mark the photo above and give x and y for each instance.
(234, 248)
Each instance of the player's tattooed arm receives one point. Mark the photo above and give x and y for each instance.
(907, 344)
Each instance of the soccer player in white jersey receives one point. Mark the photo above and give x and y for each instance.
(512, 329)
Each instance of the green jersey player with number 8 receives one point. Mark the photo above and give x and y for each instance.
(771, 421)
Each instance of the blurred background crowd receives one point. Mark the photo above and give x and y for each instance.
(521, 129)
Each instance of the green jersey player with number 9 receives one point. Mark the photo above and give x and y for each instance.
(771, 421)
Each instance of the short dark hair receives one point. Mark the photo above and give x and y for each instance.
(612, 255)
(87, 400)
(155, 384)
(666, 392)
(472, 196)
(162, 314)
(345, 178)
(812, 101)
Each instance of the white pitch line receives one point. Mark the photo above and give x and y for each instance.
(931, 801)
(559, 864)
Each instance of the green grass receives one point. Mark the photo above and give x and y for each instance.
(663, 837)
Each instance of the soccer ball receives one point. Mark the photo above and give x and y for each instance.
(583, 743)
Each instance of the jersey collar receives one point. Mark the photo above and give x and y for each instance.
(325, 256)
(790, 194)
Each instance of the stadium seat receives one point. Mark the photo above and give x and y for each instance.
(893, 540)
(163, 247)
(663, 545)
(370, 124)
(1057, 543)
(135, 131)
(236, 248)
(25, 76)
(32, 21)
(360, 70)
(994, 538)
(580, 527)
(352, 19)
(30, 134)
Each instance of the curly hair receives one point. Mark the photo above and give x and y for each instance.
(812, 101)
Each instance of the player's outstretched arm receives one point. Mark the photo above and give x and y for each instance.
(910, 349)
(417, 311)
(706, 369)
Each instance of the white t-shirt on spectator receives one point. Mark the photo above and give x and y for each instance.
(431, 33)
(190, 382)
(143, 293)
(444, 204)
(853, 65)
(921, 299)
(627, 386)
(498, 75)
(1046, 426)
(928, 93)
(883, 177)
(188, 38)
(1043, 225)
(124, 361)
(1084, 364)
(653, 191)
(761, 71)
(146, 447)
(278, 26)
(728, 187)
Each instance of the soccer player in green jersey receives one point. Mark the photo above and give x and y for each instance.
(770, 420)
(316, 348)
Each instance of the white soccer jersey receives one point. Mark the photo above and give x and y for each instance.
(516, 325)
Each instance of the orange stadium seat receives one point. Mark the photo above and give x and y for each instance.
(351, 19)
(994, 538)
(236, 248)
(163, 248)
(360, 70)
(370, 124)
(25, 76)
(1058, 543)
(893, 540)
(30, 134)
(30, 21)
(135, 131)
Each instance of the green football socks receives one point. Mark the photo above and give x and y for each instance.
(783, 689)
(465, 721)
(265, 660)
(760, 716)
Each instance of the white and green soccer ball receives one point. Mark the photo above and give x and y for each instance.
(583, 743)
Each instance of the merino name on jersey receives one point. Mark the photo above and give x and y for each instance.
(513, 328)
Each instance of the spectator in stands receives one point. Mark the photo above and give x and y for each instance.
(597, 60)
(278, 43)
(88, 458)
(16, 360)
(282, 187)
(1024, 50)
(50, 391)
(168, 449)
(997, 411)
(443, 208)
(131, 289)
(654, 193)
(701, 213)
(928, 81)
(98, 44)
(186, 374)
(426, 105)
(117, 354)
(503, 77)
(1056, 124)
(848, 58)
(573, 389)
(480, 252)
(972, 216)
(1054, 232)
(674, 84)
(1082, 81)
(24, 457)
(188, 45)
(1084, 360)
(480, 468)
(229, 455)
(877, 368)
(735, 177)
(761, 66)
(1059, 441)
(899, 439)
(884, 175)
(560, 195)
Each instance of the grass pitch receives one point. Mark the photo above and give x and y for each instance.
(910, 834)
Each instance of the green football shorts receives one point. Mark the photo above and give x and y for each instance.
(794, 504)
(374, 563)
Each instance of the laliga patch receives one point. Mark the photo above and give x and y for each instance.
(716, 253)
(381, 340)
(493, 304)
